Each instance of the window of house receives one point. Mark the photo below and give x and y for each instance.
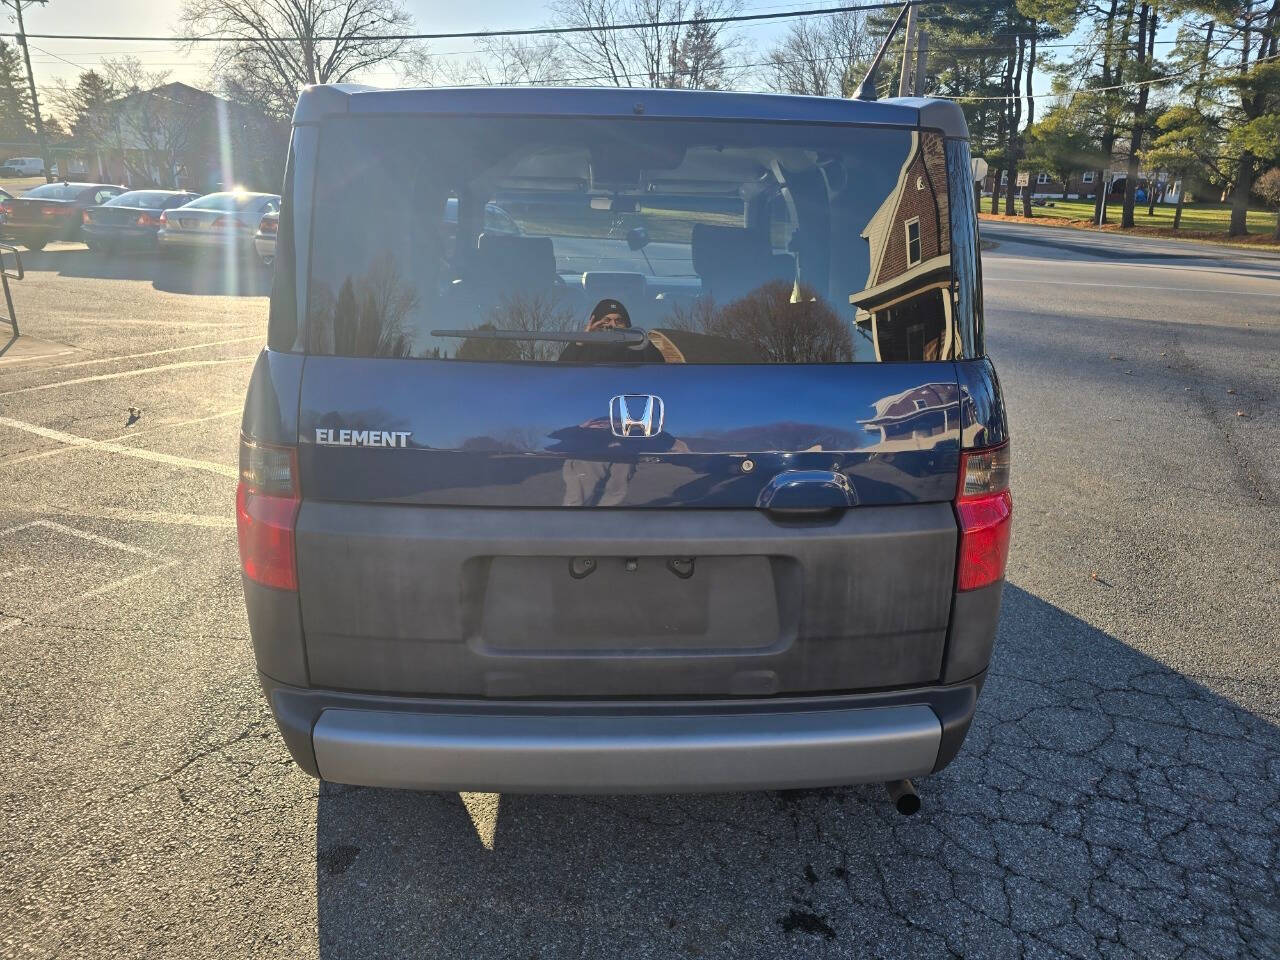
(1088, 177)
(913, 241)
(1042, 178)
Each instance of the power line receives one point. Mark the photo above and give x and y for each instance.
(529, 32)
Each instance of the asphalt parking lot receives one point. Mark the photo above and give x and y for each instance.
(1118, 797)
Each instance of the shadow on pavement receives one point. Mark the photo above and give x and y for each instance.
(211, 274)
(1103, 805)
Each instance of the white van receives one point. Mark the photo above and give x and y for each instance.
(22, 166)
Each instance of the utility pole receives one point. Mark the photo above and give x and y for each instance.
(35, 99)
(907, 76)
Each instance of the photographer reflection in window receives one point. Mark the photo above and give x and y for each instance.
(609, 315)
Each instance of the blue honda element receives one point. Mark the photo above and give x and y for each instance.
(688, 472)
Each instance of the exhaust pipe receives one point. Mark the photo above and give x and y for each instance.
(904, 796)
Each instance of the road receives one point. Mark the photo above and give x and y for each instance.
(1118, 797)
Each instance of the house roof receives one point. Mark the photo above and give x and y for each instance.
(318, 102)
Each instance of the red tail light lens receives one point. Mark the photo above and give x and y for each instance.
(147, 220)
(269, 225)
(267, 500)
(86, 217)
(164, 217)
(984, 507)
(6, 207)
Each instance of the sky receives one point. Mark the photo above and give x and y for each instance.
(66, 59)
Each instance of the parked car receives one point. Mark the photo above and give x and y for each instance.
(264, 241)
(723, 507)
(53, 211)
(130, 220)
(22, 167)
(217, 221)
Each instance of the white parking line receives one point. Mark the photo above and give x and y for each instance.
(82, 534)
(153, 455)
(155, 353)
(90, 594)
(137, 434)
(182, 365)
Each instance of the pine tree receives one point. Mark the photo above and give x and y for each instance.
(16, 118)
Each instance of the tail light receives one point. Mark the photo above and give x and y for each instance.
(269, 225)
(6, 207)
(267, 500)
(164, 217)
(86, 217)
(984, 508)
(147, 220)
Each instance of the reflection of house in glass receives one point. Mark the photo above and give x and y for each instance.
(907, 303)
(909, 420)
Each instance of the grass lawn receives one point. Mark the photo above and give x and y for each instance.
(20, 185)
(1209, 217)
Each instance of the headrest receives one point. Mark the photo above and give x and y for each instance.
(718, 249)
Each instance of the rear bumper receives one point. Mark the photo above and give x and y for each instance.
(192, 240)
(120, 236)
(623, 747)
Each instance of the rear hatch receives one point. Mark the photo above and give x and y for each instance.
(46, 211)
(118, 216)
(674, 414)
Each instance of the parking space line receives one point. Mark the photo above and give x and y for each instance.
(181, 365)
(155, 353)
(212, 521)
(90, 594)
(137, 434)
(140, 453)
(82, 534)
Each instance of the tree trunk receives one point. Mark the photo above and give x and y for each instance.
(1240, 196)
(1031, 113)
(1177, 211)
(995, 189)
(1011, 188)
(1276, 234)
(1146, 23)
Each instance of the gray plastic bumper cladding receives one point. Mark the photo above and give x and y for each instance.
(634, 747)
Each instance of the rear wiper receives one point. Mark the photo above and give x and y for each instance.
(631, 336)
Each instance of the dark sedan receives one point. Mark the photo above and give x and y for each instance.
(52, 211)
(131, 220)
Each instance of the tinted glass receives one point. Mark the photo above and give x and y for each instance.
(727, 242)
(230, 201)
(144, 198)
(55, 191)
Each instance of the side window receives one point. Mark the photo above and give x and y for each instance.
(497, 221)
(913, 241)
(102, 196)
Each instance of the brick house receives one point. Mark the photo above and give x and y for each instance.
(906, 306)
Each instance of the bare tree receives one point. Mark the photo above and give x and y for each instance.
(159, 123)
(502, 61)
(331, 41)
(659, 53)
(822, 56)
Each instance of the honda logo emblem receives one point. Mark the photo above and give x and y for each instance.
(636, 415)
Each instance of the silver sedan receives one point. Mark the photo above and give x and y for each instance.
(218, 221)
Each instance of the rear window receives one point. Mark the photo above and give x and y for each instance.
(231, 201)
(147, 198)
(55, 191)
(634, 240)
